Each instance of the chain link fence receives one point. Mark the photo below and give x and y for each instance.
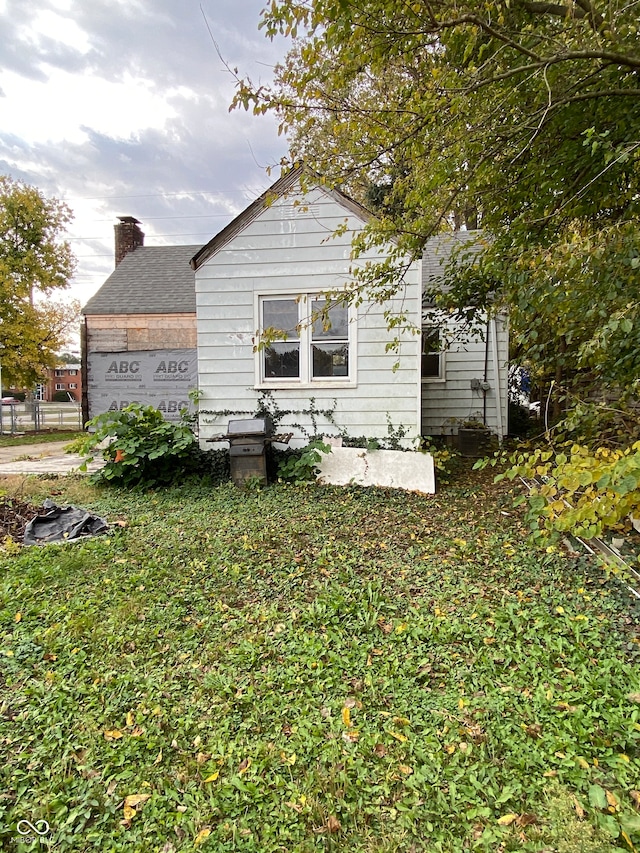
(36, 416)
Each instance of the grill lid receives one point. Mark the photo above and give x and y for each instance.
(249, 426)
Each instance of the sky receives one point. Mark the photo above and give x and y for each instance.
(120, 108)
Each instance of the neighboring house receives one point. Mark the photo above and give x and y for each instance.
(139, 330)
(267, 270)
(64, 379)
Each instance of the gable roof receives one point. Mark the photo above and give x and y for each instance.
(436, 254)
(277, 190)
(149, 280)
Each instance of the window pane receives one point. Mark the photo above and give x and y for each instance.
(280, 314)
(430, 365)
(282, 358)
(330, 360)
(430, 353)
(335, 326)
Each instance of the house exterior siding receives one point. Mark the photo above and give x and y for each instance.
(448, 403)
(152, 338)
(288, 249)
(450, 400)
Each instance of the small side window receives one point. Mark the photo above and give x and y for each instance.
(431, 353)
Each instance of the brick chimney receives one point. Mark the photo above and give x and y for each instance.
(128, 236)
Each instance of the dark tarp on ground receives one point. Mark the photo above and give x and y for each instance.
(61, 524)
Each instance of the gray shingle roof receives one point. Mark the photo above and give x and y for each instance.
(149, 280)
(438, 249)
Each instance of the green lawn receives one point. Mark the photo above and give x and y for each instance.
(315, 669)
(8, 440)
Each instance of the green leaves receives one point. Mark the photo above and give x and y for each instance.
(584, 492)
(518, 118)
(314, 668)
(34, 262)
(143, 448)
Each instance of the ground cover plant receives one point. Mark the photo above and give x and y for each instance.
(304, 668)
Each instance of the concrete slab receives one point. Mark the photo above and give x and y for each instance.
(46, 458)
(395, 469)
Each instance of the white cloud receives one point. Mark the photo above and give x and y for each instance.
(122, 108)
(59, 28)
(65, 105)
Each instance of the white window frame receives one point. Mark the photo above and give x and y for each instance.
(441, 377)
(59, 371)
(60, 386)
(305, 379)
(73, 386)
(72, 372)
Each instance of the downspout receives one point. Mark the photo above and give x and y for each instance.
(496, 377)
(485, 376)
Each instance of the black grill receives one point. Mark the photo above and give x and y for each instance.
(248, 440)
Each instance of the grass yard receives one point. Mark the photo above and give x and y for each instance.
(8, 440)
(314, 669)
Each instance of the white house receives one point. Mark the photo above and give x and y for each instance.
(268, 270)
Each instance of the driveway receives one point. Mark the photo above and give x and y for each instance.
(46, 458)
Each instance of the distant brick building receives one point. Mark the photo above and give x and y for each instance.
(66, 378)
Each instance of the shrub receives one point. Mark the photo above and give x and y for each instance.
(578, 490)
(302, 466)
(143, 447)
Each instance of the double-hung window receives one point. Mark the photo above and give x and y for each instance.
(432, 355)
(307, 340)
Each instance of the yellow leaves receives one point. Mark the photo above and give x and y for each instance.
(131, 804)
(201, 836)
(397, 735)
(612, 802)
(521, 820)
(351, 736)
(112, 734)
(130, 718)
(346, 717)
(212, 778)
(18, 617)
(244, 765)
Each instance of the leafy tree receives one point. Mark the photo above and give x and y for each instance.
(67, 357)
(518, 116)
(34, 264)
